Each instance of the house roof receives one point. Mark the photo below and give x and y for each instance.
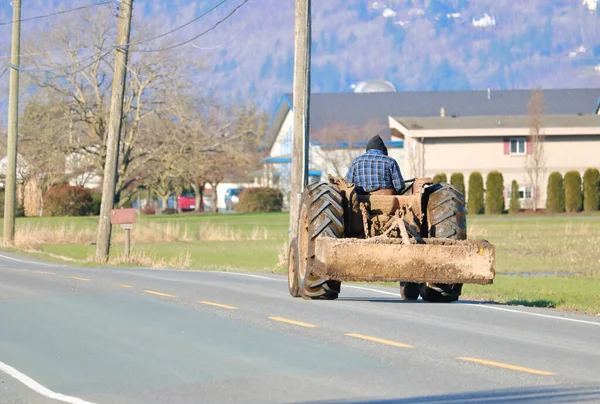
(360, 110)
(495, 125)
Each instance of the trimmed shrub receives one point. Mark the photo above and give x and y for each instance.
(259, 200)
(20, 209)
(67, 200)
(591, 190)
(149, 209)
(494, 193)
(556, 194)
(515, 205)
(573, 196)
(475, 203)
(96, 202)
(458, 180)
(438, 178)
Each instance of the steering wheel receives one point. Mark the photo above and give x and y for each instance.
(411, 181)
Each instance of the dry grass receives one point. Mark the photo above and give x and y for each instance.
(31, 236)
(282, 257)
(146, 260)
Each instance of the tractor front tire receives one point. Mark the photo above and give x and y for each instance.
(446, 216)
(321, 215)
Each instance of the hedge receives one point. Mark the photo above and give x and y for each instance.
(259, 200)
(556, 194)
(573, 195)
(67, 200)
(20, 212)
(494, 193)
(475, 202)
(458, 180)
(515, 204)
(591, 190)
(438, 178)
(96, 203)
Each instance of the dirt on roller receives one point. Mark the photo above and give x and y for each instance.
(385, 259)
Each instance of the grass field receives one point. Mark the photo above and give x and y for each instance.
(553, 261)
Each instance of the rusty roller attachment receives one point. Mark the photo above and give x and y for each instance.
(390, 260)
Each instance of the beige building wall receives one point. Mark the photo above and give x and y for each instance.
(485, 154)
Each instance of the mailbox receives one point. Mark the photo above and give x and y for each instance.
(125, 217)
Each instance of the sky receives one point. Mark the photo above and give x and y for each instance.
(167, 14)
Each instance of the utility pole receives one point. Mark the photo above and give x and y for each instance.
(299, 174)
(10, 201)
(114, 132)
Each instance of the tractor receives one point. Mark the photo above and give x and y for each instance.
(417, 238)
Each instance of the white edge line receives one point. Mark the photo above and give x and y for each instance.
(31, 262)
(483, 306)
(373, 290)
(242, 274)
(38, 388)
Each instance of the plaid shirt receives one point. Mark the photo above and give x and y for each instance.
(374, 170)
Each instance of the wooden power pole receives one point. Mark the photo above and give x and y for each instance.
(114, 132)
(10, 200)
(299, 174)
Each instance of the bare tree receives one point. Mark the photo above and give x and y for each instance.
(338, 145)
(535, 163)
(74, 61)
(221, 142)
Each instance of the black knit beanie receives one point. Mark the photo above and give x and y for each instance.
(377, 143)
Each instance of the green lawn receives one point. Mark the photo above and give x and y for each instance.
(550, 244)
(525, 245)
(564, 293)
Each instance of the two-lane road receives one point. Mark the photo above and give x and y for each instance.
(85, 335)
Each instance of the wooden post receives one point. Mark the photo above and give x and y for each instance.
(114, 131)
(127, 243)
(10, 200)
(299, 174)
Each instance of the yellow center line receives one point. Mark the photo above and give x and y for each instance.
(285, 320)
(224, 306)
(79, 279)
(159, 293)
(44, 272)
(381, 341)
(507, 366)
(125, 286)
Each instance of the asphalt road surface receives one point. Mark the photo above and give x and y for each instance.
(83, 335)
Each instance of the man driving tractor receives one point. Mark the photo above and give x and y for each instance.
(375, 172)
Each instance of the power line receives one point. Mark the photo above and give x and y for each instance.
(72, 65)
(57, 13)
(199, 35)
(4, 72)
(131, 43)
(70, 73)
(181, 26)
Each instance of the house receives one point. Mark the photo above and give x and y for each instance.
(342, 123)
(340, 126)
(499, 142)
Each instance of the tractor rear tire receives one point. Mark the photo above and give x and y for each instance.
(446, 216)
(409, 290)
(321, 215)
(293, 286)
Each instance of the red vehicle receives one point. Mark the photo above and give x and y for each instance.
(187, 201)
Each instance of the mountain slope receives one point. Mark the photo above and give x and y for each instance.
(417, 45)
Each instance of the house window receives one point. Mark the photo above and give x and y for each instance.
(525, 193)
(517, 146)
